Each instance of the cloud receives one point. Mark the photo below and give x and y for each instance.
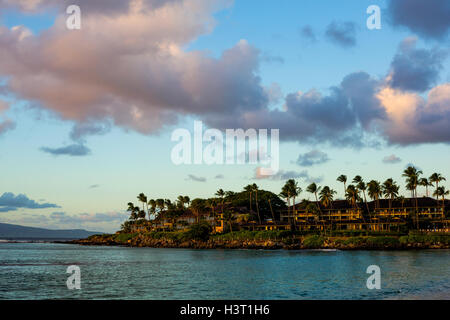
(312, 117)
(11, 202)
(360, 111)
(7, 209)
(415, 69)
(412, 119)
(145, 82)
(274, 93)
(80, 219)
(76, 150)
(342, 33)
(392, 159)
(80, 130)
(430, 19)
(266, 57)
(286, 175)
(308, 33)
(6, 124)
(311, 158)
(192, 177)
(148, 81)
(106, 222)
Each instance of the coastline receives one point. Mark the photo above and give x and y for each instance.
(294, 243)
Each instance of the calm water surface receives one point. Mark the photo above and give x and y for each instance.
(38, 271)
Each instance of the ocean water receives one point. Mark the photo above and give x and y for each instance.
(38, 271)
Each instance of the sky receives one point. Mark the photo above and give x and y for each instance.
(86, 115)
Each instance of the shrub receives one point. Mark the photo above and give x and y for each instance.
(199, 231)
(313, 242)
(379, 242)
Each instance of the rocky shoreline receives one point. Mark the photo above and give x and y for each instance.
(348, 243)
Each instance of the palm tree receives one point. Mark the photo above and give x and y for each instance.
(229, 194)
(312, 208)
(133, 212)
(441, 192)
(229, 217)
(271, 211)
(412, 178)
(425, 183)
(374, 191)
(212, 203)
(186, 200)
(249, 189)
(160, 204)
(390, 190)
(198, 207)
(152, 204)
(285, 194)
(221, 194)
(180, 202)
(255, 190)
(313, 188)
(436, 178)
(363, 187)
(326, 196)
(143, 198)
(352, 195)
(343, 178)
(294, 190)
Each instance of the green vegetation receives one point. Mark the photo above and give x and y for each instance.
(257, 217)
(313, 242)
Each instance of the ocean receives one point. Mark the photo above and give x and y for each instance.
(39, 271)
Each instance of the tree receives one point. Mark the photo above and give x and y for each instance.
(441, 192)
(143, 198)
(412, 179)
(343, 178)
(255, 190)
(180, 202)
(313, 188)
(229, 217)
(160, 204)
(133, 212)
(286, 194)
(198, 206)
(221, 194)
(352, 195)
(436, 178)
(168, 204)
(425, 183)
(390, 190)
(212, 203)
(294, 190)
(186, 200)
(152, 204)
(249, 189)
(363, 187)
(374, 191)
(326, 196)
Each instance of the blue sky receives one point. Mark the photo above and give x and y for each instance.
(125, 161)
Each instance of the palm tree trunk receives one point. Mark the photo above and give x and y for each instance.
(257, 206)
(271, 210)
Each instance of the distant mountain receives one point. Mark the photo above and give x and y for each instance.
(16, 232)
